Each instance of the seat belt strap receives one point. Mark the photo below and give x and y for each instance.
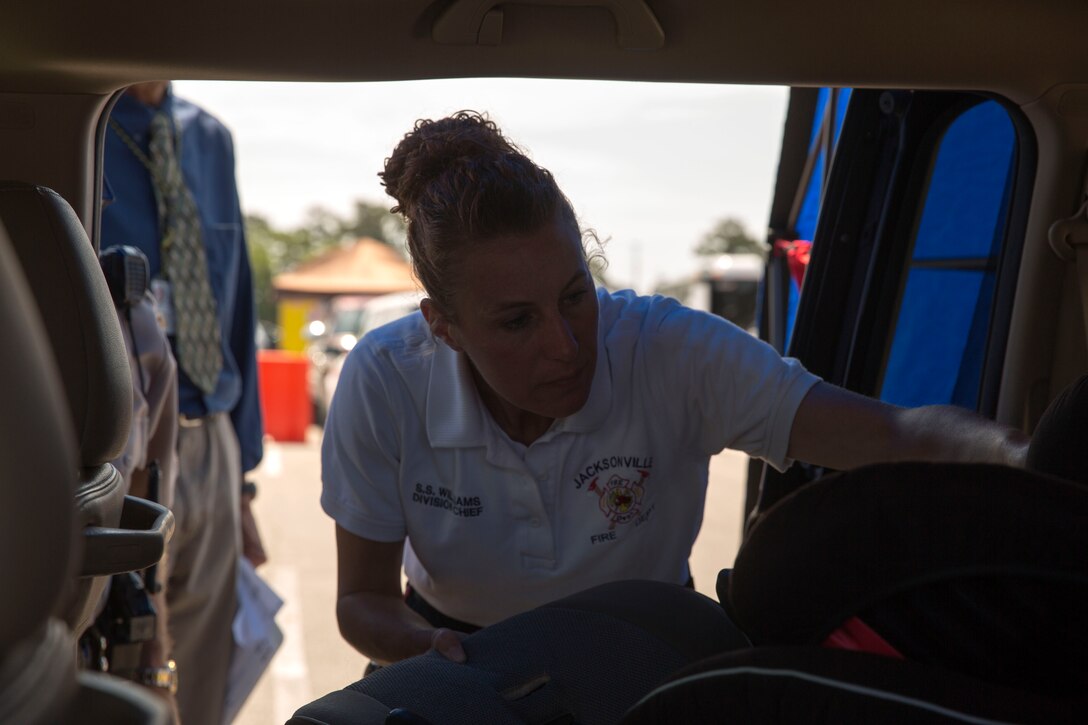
(1069, 240)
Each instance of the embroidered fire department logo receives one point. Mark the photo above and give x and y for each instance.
(620, 498)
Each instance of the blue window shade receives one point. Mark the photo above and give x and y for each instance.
(822, 97)
(804, 225)
(842, 101)
(924, 365)
(964, 203)
(791, 310)
(938, 350)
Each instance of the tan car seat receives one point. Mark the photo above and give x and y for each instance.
(65, 279)
(39, 541)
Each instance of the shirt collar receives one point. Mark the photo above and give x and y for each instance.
(456, 415)
(454, 410)
(592, 415)
(135, 116)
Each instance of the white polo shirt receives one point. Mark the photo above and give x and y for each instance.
(612, 492)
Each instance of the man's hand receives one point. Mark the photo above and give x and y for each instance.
(252, 548)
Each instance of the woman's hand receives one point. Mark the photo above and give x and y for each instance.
(447, 643)
(370, 606)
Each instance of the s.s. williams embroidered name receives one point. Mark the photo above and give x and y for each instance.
(426, 495)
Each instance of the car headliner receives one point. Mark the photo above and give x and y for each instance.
(61, 62)
(1019, 49)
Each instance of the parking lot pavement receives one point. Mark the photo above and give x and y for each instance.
(299, 539)
(719, 538)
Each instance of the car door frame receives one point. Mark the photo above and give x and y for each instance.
(861, 247)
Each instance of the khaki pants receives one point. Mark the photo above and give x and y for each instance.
(203, 556)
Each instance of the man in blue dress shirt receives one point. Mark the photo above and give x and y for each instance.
(220, 429)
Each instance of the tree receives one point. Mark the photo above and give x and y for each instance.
(375, 221)
(272, 251)
(729, 236)
(326, 228)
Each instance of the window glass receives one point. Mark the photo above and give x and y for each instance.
(936, 353)
(819, 154)
(841, 102)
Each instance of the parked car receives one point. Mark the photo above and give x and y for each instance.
(349, 323)
(328, 338)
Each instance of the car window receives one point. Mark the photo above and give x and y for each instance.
(937, 350)
(911, 277)
(347, 321)
(831, 104)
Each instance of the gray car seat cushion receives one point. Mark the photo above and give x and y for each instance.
(584, 659)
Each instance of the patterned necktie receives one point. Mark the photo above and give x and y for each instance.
(184, 262)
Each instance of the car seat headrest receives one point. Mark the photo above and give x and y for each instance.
(849, 540)
(37, 458)
(1059, 445)
(80, 321)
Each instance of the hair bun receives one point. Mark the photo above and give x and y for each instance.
(434, 148)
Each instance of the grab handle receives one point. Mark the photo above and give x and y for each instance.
(137, 543)
(479, 22)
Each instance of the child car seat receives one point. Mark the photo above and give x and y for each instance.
(584, 659)
(974, 574)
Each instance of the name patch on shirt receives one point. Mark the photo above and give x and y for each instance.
(425, 494)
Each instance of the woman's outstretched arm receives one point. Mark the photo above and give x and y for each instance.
(840, 429)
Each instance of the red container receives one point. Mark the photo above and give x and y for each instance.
(285, 396)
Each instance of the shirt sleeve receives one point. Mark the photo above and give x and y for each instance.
(360, 452)
(246, 414)
(736, 391)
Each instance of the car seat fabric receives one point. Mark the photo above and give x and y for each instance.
(768, 685)
(1017, 631)
(583, 659)
(37, 457)
(1059, 445)
(977, 568)
(1008, 630)
(75, 304)
(75, 307)
(38, 538)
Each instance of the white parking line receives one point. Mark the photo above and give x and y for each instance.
(272, 462)
(290, 674)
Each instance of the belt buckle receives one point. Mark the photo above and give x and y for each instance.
(186, 422)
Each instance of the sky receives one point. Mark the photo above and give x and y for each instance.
(650, 167)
